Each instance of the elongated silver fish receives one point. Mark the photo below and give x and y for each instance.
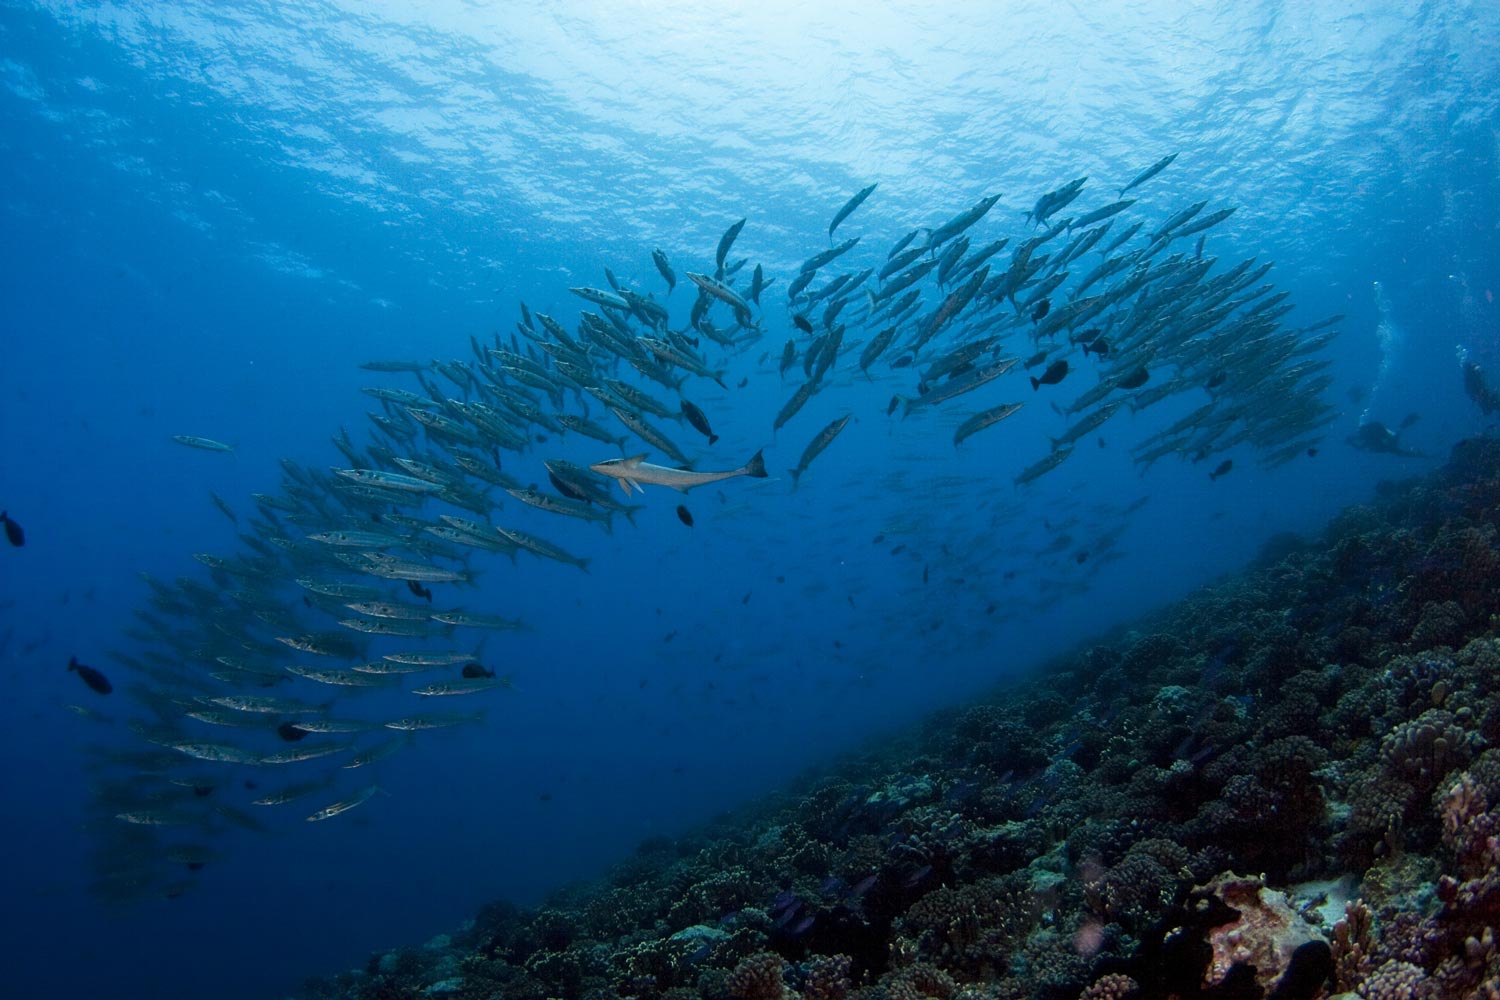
(828, 256)
(201, 443)
(957, 387)
(983, 419)
(344, 805)
(635, 470)
(815, 447)
(850, 206)
(1150, 172)
(467, 685)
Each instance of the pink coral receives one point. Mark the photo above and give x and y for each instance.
(1266, 933)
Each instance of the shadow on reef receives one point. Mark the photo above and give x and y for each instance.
(1329, 720)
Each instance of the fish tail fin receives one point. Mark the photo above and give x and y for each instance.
(906, 405)
(629, 513)
(72, 663)
(583, 563)
(713, 439)
(756, 467)
(1035, 383)
(796, 475)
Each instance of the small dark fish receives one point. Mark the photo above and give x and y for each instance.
(781, 579)
(877, 539)
(1312, 453)
(802, 323)
(744, 382)
(918, 875)
(788, 356)
(419, 590)
(571, 492)
(924, 573)
(1054, 374)
(545, 797)
(1040, 312)
(903, 362)
(898, 550)
(669, 636)
(1223, 468)
(1081, 558)
(746, 598)
(1036, 359)
(13, 531)
(1135, 379)
(289, 732)
(686, 517)
(1411, 418)
(1216, 379)
(989, 609)
(93, 678)
(1099, 347)
(699, 421)
(895, 402)
(476, 669)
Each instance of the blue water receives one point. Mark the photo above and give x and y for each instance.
(212, 215)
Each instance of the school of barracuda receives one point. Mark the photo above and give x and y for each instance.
(350, 578)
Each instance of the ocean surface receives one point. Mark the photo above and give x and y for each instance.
(213, 214)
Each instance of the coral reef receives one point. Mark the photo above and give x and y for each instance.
(1330, 718)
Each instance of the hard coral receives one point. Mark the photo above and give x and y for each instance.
(1397, 981)
(827, 978)
(1426, 749)
(919, 982)
(757, 978)
(1114, 986)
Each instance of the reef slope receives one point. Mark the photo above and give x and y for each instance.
(1285, 785)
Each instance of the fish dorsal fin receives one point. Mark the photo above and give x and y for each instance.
(633, 461)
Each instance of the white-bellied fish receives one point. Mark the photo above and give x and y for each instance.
(635, 470)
